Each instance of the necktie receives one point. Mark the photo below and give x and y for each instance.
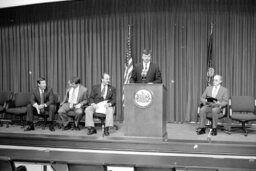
(42, 100)
(42, 97)
(103, 91)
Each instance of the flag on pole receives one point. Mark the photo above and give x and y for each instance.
(210, 67)
(128, 59)
(128, 62)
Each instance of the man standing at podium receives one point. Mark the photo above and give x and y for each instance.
(146, 72)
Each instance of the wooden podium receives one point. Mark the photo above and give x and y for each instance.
(145, 110)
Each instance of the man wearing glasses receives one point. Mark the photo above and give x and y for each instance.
(213, 99)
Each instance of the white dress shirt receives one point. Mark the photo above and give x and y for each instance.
(73, 97)
(215, 90)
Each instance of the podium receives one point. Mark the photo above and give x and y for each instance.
(145, 110)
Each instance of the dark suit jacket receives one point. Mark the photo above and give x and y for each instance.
(48, 96)
(82, 97)
(222, 95)
(95, 96)
(153, 74)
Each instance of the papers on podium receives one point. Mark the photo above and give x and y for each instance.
(101, 107)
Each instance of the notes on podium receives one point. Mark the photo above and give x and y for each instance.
(101, 107)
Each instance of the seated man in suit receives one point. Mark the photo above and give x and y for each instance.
(146, 72)
(76, 99)
(213, 108)
(41, 100)
(101, 93)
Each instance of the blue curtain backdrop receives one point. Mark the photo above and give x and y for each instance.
(86, 38)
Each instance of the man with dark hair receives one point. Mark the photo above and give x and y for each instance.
(146, 72)
(76, 99)
(41, 100)
(221, 96)
(103, 96)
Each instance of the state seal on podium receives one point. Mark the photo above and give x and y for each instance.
(143, 98)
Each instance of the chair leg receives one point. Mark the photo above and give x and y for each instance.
(21, 121)
(244, 129)
(45, 121)
(115, 126)
(103, 127)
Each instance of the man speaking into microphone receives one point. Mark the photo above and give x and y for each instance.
(146, 72)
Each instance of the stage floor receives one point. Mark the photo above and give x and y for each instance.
(183, 147)
(185, 131)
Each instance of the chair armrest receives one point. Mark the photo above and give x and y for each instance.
(224, 109)
(200, 105)
(9, 104)
(230, 108)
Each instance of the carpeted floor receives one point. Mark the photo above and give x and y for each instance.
(184, 131)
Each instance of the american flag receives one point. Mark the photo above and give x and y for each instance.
(210, 66)
(128, 59)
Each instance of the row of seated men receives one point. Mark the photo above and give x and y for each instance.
(76, 99)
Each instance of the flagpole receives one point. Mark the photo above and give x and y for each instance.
(210, 67)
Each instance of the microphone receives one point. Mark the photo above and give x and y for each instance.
(144, 75)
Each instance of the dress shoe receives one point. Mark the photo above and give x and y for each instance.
(214, 132)
(106, 131)
(201, 131)
(51, 128)
(30, 128)
(67, 127)
(91, 131)
(76, 128)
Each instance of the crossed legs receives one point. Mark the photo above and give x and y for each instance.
(65, 115)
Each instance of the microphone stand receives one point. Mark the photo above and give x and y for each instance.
(143, 76)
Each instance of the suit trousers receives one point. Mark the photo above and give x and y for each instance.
(65, 113)
(214, 112)
(31, 110)
(109, 122)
